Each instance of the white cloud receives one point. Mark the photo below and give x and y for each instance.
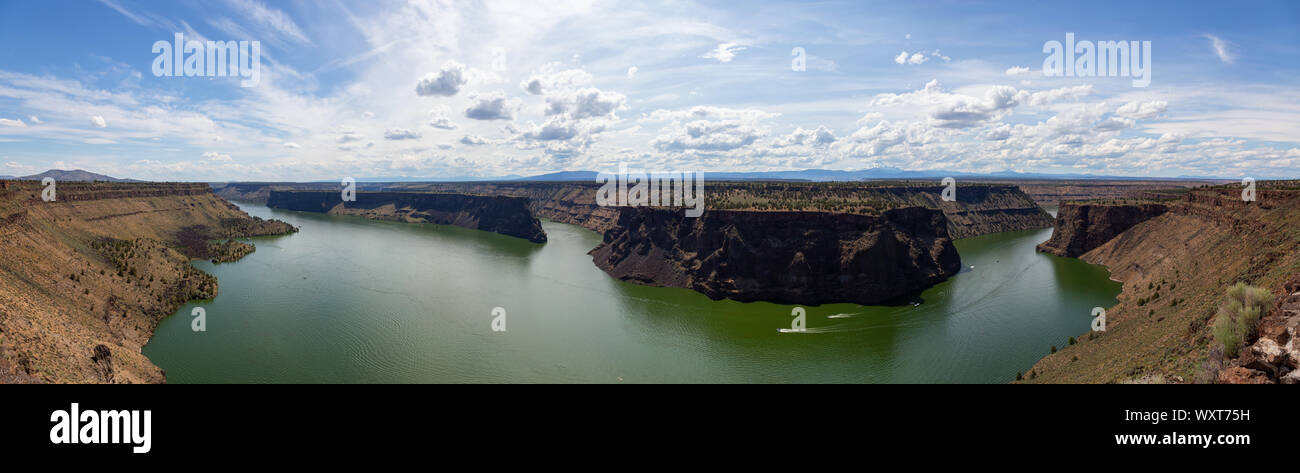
(292, 145)
(439, 117)
(34, 120)
(215, 156)
(473, 140)
(270, 19)
(445, 83)
(1142, 110)
(710, 129)
(1220, 49)
(1017, 70)
(12, 123)
(818, 137)
(492, 106)
(398, 134)
(551, 78)
(631, 72)
(98, 121)
(725, 52)
(919, 57)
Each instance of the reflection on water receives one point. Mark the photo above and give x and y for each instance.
(354, 300)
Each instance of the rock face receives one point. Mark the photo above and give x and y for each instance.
(1175, 269)
(1275, 355)
(497, 214)
(84, 280)
(979, 209)
(783, 257)
(1080, 227)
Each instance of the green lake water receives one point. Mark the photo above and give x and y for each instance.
(353, 300)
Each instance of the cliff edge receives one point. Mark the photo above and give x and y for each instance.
(1082, 226)
(498, 214)
(783, 257)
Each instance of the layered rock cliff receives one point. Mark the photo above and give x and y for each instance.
(979, 209)
(783, 257)
(497, 214)
(84, 280)
(1175, 268)
(1082, 226)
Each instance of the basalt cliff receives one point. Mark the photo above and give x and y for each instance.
(497, 214)
(783, 257)
(86, 278)
(1176, 259)
(1080, 226)
(978, 209)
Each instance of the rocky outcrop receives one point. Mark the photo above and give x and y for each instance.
(1274, 357)
(85, 279)
(497, 214)
(783, 257)
(1080, 227)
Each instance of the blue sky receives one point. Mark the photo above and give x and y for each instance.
(457, 89)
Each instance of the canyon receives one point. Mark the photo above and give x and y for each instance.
(1176, 259)
(498, 214)
(84, 280)
(979, 209)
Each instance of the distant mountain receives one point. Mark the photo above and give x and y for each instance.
(824, 175)
(6, 177)
(562, 176)
(74, 175)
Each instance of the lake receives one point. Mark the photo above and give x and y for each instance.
(350, 300)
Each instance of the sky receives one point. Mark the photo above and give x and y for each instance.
(460, 89)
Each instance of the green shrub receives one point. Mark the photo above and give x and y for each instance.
(1235, 321)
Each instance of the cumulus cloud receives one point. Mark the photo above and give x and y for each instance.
(292, 145)
(998, 133)
(951, 110)
(1142, 110)
(1115, 124)
(725, 52)
(446, 82)
(12, 123)
(215, 156)
(1017, 70)
(98, 121)
(919, 57)
(34, 120)
(585, 103)
(492, 106)
(473, 140)
(439, 117)
(550, 78)
(714, 129)
(397, 134)
(631, 72)
(904, 58)
(442, 123)
(349, 137)
(818, 137)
